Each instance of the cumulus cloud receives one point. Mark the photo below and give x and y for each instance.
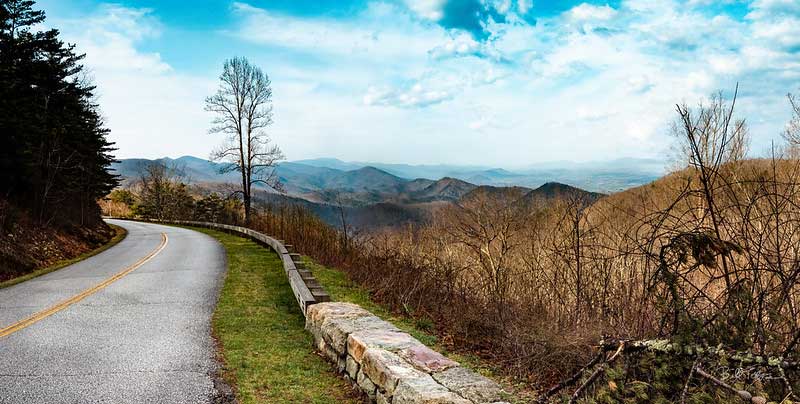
(773, 8)
(141, 95)
(371, 36)
(461, 45)
(109, 38)
(776, 22)
(472, 16)
(428, 9)
(601, 79)
(588, 12)
(418, 95)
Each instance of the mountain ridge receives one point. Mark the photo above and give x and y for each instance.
(307, 176)
(370, 196)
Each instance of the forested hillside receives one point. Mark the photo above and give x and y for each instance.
(54, 155)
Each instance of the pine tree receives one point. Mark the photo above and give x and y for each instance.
(55, 155)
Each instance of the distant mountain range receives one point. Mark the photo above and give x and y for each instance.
(327, 173)
(392, 194)
(605, 176)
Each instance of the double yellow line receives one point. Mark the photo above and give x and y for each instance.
(86, 293)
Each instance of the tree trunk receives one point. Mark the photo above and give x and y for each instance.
(246, 208)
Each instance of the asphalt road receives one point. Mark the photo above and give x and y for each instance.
(142, 338)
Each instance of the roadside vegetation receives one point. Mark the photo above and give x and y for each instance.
(268, 356)
(119, 235)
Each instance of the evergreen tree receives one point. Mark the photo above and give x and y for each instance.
(55, 156)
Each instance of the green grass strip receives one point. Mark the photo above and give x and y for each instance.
(120, 234)
(268, 356)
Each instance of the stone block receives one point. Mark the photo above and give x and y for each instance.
(366, 385)
(351, 366)
(426, 359)
(336, 330)
(325, 349)
(381, 398)
(470, 385)
(320, 311)
(425, 390)
(386, 369)
(389, 340)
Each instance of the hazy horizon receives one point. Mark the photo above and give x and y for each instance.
(460, 82)
(481, 166)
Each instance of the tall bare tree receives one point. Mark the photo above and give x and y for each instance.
(243, 108)
(792, 132)
(710, 137)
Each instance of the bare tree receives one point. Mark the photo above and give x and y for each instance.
(710, 136)
(163, 193)
(488, 226)
(792, 132)
(243, 108)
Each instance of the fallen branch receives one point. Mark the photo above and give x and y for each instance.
(695, 350)
(743, 394)
(596, 374)
(568, 382)
(688, 380)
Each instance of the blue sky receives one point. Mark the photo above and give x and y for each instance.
(495, 82)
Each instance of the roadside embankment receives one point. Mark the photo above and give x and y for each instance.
(28, 251)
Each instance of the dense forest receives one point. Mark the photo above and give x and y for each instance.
(55, 154)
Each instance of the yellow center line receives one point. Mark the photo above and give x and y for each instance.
(86, 293)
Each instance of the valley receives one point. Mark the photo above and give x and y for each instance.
(369, 198)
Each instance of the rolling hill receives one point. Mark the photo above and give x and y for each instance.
(370, 196)
(604, 176)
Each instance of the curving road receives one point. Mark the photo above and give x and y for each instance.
(129, 325)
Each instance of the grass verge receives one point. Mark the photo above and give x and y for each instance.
(268, 356)
(120, 234)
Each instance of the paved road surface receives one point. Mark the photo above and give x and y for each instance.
(144, 337)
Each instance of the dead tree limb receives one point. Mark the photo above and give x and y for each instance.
(596, 374)
(742, 394)
(572, 380)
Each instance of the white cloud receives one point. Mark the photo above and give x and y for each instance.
(461, 45)
(588, 12)
(523, 6)
(372, 37)
(427, 9)
(784, 33)
(141, 96)
(109, 39)
(593, 82)
(773, 8)
(418, 95)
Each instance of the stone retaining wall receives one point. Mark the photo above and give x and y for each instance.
(388, 365)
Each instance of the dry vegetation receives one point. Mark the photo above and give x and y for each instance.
(26, 245)
(706, 258)
(683, 290)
